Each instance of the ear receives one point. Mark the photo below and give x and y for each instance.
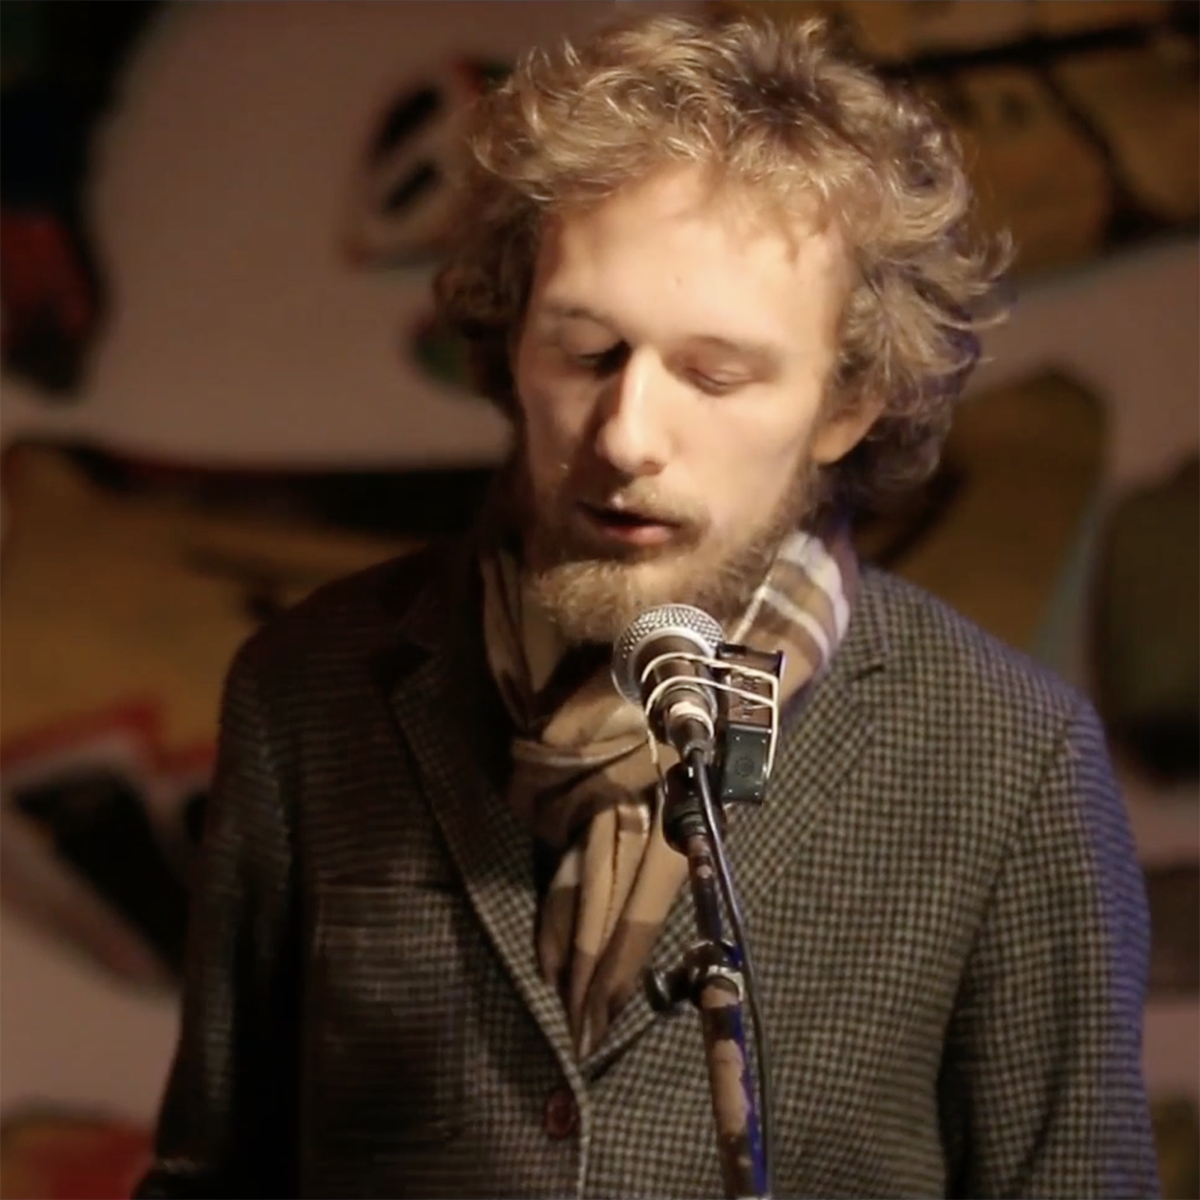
(840, 432)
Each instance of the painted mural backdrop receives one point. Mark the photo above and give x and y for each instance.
(1080, 119)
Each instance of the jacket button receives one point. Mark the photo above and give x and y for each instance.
(560, 1118)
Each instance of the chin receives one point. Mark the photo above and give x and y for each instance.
(593, 601)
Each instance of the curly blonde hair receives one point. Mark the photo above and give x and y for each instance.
(774, 107)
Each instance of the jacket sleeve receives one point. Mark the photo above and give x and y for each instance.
(225, 1128)
(1047, 1041)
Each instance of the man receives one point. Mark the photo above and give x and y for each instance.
(724, 283)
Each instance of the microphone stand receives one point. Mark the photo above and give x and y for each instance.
(712, 978)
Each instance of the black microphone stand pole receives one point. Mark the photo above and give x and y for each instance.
(712, 978)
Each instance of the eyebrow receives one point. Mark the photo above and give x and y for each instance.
(566, 311)
(760, 354)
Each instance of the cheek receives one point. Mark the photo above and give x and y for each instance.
(549, 442)
(546, 448)
(748, 468)
(555, 415)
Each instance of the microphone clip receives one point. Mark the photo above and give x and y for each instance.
(670, 990)
(747, 724)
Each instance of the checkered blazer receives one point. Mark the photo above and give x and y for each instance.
(941, 889)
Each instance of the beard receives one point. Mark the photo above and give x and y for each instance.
(592, 589)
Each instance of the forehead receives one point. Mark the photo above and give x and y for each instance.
(673, 257)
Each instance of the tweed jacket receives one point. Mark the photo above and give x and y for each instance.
(941, 888)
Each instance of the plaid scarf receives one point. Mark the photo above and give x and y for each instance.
(583, 778)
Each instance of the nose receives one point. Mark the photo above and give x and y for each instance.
(632, 434)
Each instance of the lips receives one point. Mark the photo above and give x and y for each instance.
(628, 525)
(622, 516)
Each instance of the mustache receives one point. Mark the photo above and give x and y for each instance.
(596, 486)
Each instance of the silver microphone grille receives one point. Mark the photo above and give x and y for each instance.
(671, 620)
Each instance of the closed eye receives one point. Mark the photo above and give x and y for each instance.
(603, 362)
(716, 387)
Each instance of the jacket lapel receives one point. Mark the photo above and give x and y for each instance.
(458, 733)
(820, 745)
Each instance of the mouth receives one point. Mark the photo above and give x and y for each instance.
(627, 526)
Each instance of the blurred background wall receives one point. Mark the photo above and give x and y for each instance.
(221, 386)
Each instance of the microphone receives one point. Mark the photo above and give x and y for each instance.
(684, 713)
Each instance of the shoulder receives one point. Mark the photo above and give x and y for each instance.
(338, 634)
(951, 670)
(978, 751)
(968, 731)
